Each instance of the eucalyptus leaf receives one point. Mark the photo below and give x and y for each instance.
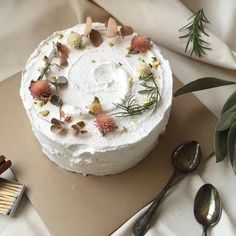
(202, 84)
(231, 141)
(56, 100)
(220, 143)
(61, 81)
(231, 101)
(226, 120)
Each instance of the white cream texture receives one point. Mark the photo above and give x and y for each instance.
(97, 72)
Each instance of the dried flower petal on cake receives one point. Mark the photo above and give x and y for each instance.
(140, 43)
(79, 128)
(155, 63)
(112, 28)
(126, 30)
(58, 126)
(105, 123)
(95, 107)
(63, 52)
(75, 40)
(95, 38)
(88, 26)
(44, 113)
(40, 89)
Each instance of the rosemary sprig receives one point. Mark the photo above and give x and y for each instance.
(130, 107)
(48, 64)
(195, 28)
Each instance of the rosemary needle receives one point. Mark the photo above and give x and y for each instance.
(195, 28)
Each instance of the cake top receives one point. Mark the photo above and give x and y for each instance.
(96, 84)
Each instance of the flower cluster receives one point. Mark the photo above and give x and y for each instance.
(75, 40)
(140, 44)
(105, 123)
(40, 89)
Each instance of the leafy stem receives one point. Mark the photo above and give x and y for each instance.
(225, 131)
(130, 107)
(195, 28)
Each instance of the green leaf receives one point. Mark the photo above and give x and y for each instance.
(201, 84)
(226, 119)
(220, 143)
(56, 100)
(231, 101)
(231, 141)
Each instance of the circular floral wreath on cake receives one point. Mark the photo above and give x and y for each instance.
(42, 93)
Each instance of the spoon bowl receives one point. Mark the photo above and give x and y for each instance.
(186, 157)
(207, 206)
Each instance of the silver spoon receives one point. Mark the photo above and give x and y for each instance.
(207, 207)
(185, 159)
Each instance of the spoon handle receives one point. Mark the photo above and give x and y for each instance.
(143, 222)
(204, 233)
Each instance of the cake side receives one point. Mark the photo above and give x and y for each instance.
(105, 72)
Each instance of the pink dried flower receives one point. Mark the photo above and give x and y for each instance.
(140, 43)
(40, 89)
(105, 123)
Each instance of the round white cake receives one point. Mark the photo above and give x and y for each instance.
(97, 99)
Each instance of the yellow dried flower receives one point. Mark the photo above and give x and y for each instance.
(75, 40)
(143, 68)
(155, 62)
(95, 107)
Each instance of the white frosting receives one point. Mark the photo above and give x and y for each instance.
(97, 72)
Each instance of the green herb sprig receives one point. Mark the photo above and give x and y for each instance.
(130, 107)
(48, 62)
(195, 28)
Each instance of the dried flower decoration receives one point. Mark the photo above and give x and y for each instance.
(66, 118)
(126, 30)
(88, 26)
(105, 123)
(155, 63)
(58, 126)
(143, 68)
(40, 89)
(95, 37)
(140, 43)
(95, 107)
(44, 113)
(112, 28)
(79, 128)
(63, 52)
(144, 71)
(75, 40)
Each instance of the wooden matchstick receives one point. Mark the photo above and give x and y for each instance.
(11, 184)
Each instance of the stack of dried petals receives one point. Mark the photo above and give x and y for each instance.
(105, 123)
(140, 44)
(40, 89)
(63, 52)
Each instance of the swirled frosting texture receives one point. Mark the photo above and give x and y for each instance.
(107, 73)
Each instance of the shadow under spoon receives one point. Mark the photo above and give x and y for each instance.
(185, 159)
(207, 207)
